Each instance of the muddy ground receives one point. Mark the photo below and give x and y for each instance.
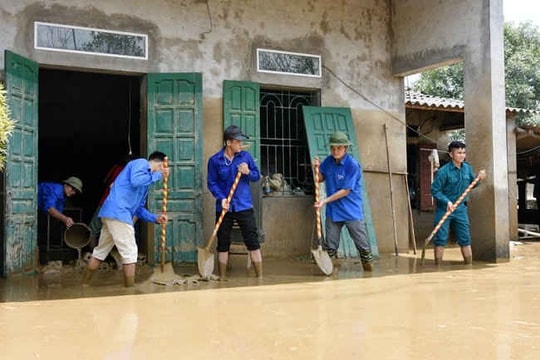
(400, 311)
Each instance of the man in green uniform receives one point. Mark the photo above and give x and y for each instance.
(450, 182)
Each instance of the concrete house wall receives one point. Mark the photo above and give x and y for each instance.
(365, 45)
(219, 39)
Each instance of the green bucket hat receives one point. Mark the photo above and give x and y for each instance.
(74, 182)
(339, 138)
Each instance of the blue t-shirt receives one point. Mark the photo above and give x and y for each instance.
(128, 193)
(51, 195)
(221, 175)
(347, 174)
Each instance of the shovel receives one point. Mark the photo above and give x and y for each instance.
(205, 257)
(321, 256)
(167, 274)
(445, 216)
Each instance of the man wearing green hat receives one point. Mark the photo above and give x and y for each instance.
(52, 197)
(343, 177)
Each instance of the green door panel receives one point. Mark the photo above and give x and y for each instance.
(19, 248)
(174, 106)
(241, 106)
(320, 123)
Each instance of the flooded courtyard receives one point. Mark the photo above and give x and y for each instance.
(403, 310)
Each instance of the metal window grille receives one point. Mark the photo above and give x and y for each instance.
(284, 146)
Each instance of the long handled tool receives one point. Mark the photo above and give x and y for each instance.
(321, 256)
(205, 258)
(446, 215)
(392, 207)
(167, 275)
(164, 211)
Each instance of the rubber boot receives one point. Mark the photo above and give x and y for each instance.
(367, 266)
(87, 277)
(438, 254)
(466, 252)
(257, 265)
(129, 281)
(222, 271)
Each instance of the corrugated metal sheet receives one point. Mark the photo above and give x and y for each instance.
(527, 138)
(430, 102)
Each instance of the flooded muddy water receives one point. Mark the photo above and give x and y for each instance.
(400, 311)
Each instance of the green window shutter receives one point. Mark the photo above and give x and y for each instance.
(174, 113)
(321, 122)
(241, 106)
(20, 174)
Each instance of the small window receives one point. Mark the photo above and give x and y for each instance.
(284, 146)
(75, 39)
(290, 63)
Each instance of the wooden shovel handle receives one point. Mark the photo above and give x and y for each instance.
(164, 211)
(317, 210)
(224, 211)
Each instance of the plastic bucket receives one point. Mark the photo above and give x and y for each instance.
(77, 236)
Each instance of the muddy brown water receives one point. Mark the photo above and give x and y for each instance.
(400, 311)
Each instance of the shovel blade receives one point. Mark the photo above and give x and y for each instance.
(205, 262)
(164, 276)
(323, 260)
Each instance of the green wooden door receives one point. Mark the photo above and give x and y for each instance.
(241, 106)
(175, 127)
(321, 122)
(20, 175)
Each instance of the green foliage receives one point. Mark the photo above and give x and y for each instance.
(456, 135)
(522, 74)
(446, 81)
(529, 121)
(6, 126)
(522, 65)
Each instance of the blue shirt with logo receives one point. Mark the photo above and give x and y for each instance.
(51, 195)
(345, 174)
(128, 193)
(221, 175)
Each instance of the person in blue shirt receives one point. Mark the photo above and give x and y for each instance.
(449, 183)
(52, 197)
(342, 175)
(95, 222)
(125, 203)
(222, 169)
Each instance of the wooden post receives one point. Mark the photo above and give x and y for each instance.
(391, 190)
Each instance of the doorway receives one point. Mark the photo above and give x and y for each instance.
(88, 122)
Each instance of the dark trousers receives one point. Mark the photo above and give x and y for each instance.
(248, 225)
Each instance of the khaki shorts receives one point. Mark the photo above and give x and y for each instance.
(117, 233)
